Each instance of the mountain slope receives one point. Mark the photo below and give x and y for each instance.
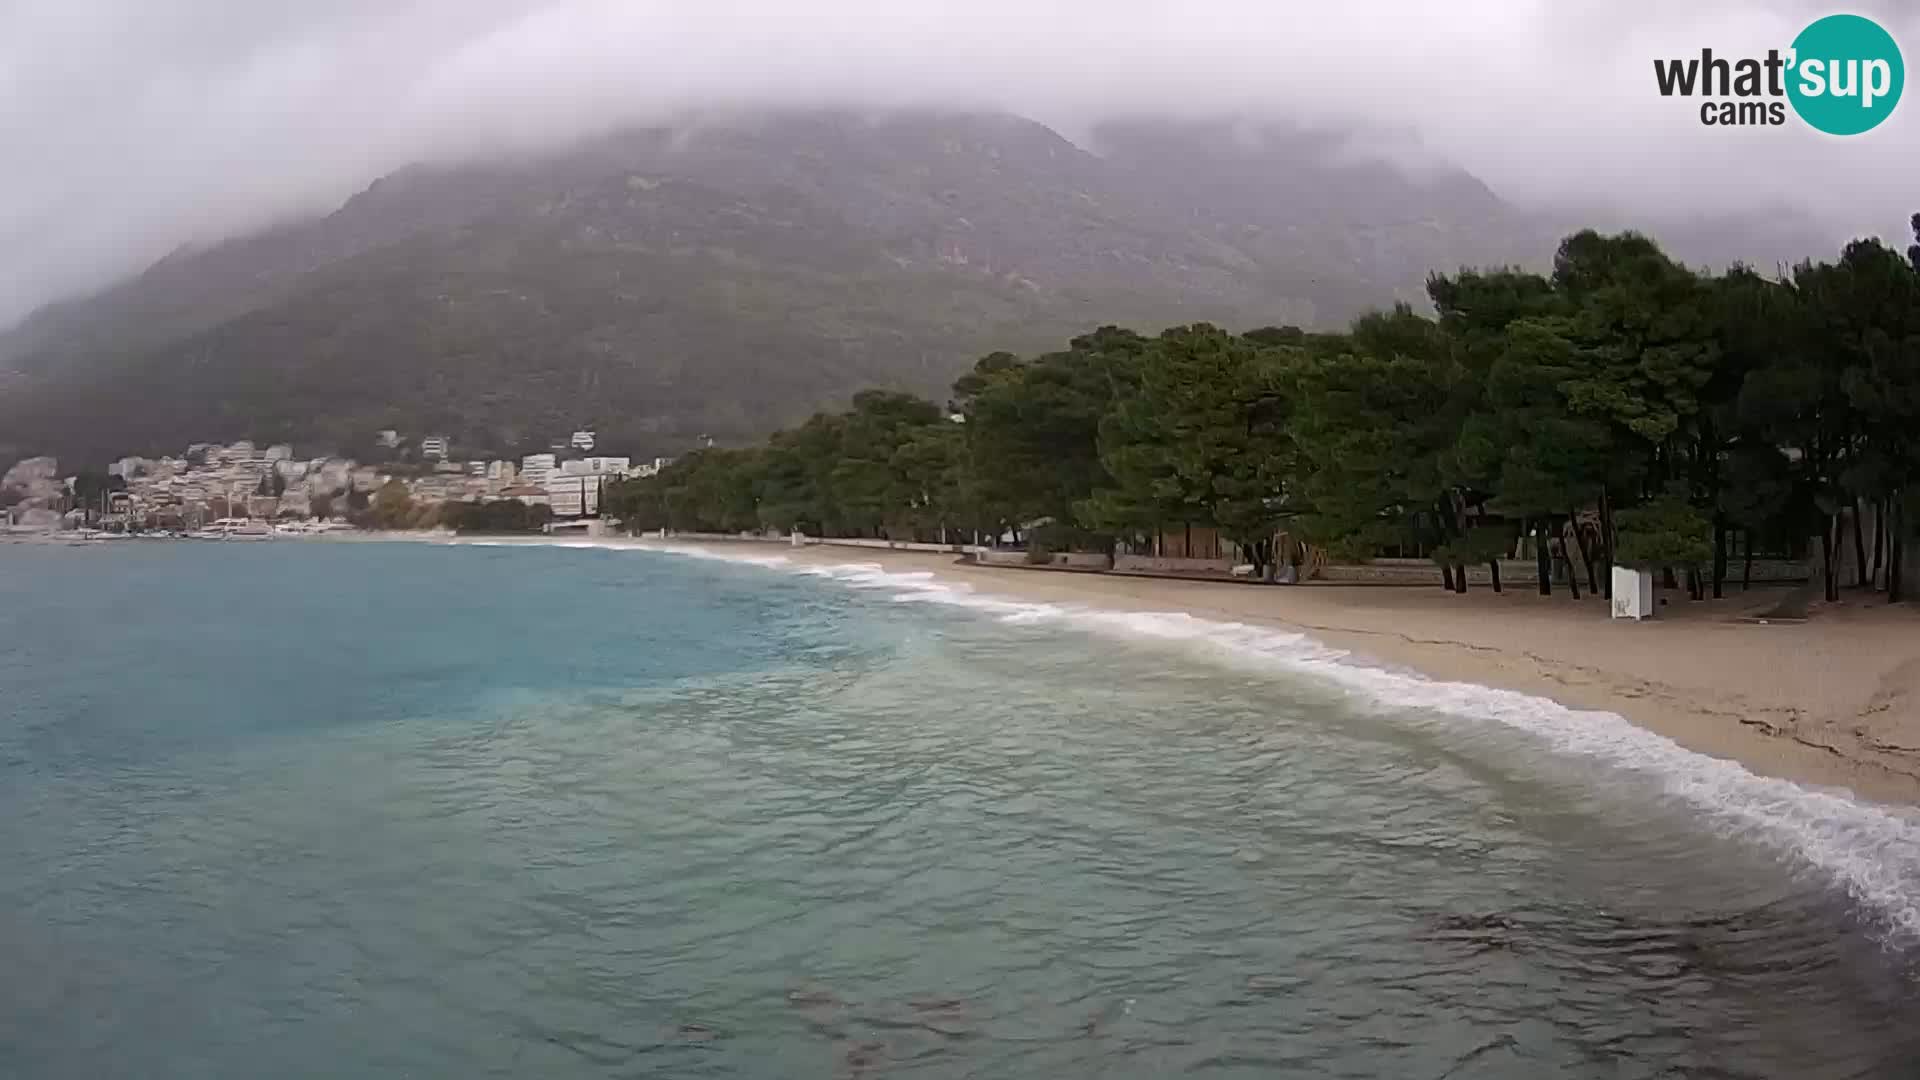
(726, 278)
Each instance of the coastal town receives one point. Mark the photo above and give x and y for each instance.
(246, 488)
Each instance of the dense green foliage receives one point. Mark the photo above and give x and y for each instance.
(499, 516)
(1622, 408)
(393, 507)
(1666, 532)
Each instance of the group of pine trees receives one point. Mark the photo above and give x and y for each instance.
(1644, 412)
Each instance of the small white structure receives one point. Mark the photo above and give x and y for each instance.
(1632, 593)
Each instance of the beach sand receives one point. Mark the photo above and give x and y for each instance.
(1831, 701)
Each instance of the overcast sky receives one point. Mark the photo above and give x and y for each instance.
(134, 126)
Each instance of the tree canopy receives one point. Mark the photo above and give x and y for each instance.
(1623, 407)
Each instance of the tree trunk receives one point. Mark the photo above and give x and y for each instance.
(1460, 577)
(1879, 539)
(1579, 546)
(1446, 576)
(1667, 580)
(1606, 539)
(1860, 578)
(1829, 591)
(1746, 574)
(1719, 555)
(1493, 568)
(1896, 549)
(1542, 557)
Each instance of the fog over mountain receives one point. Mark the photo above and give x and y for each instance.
(149, 126)
(497, 218)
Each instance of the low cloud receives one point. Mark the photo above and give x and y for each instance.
(136, 127)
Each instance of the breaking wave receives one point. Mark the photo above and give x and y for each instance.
(1871, 851)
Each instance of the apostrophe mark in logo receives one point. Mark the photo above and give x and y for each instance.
(1846, 74)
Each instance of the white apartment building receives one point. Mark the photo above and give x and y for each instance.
(582, 440)
(536, 468)
(605, 465)
(574, 495)
(434, 446)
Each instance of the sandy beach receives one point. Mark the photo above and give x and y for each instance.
(1832, 701)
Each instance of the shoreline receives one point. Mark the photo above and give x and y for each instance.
(1831, 702)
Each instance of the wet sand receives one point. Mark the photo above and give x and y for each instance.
(1832, 701)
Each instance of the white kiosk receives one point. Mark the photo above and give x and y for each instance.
(1632, 593)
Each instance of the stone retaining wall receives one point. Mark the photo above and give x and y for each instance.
(1071, 560)
(887, 545)
(1513, 572)
(1148, 564)
(1519, 572)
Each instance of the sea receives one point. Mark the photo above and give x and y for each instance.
(362, 809)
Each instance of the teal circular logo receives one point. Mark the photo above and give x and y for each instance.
(1846, 75)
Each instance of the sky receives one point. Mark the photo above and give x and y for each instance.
(133, 127)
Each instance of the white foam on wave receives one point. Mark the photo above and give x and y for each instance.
(1872, 851)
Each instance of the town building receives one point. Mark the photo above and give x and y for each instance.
(616, 465)
(535, 468)
(576, 495)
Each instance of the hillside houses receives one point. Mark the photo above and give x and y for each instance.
(209, 480)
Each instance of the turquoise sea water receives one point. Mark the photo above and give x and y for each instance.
(355, 809)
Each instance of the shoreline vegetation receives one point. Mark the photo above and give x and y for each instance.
(1623, 409)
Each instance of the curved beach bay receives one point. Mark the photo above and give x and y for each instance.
(430, 810)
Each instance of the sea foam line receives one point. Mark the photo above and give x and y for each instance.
(1871, 851)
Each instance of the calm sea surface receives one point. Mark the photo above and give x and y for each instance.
(381, 810)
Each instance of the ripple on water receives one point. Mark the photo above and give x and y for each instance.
(766, 826)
